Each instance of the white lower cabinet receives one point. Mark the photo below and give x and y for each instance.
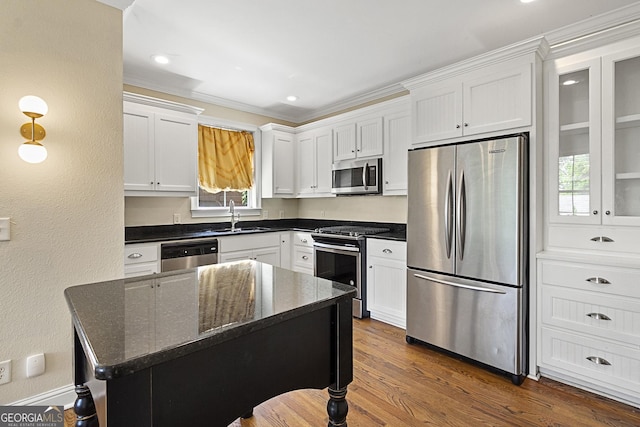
(141, 259)
(589, 331)
(160, 312)
(264, 247)
(302, 256)
(387, 281)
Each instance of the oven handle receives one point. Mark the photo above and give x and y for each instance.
(336, 247)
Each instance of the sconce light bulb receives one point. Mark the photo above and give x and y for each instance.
(33, 106)
(32, 152)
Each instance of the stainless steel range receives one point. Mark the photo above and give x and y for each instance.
(340, 255)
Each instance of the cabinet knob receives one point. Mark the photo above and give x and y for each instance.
(135, 255)
(303, 240)
(466, 125)
(608, 213)
(595, 212)
(151, 183)
(387, 251)
(304, 257)
(371, 266)
(386, 182)
(352, 151)
(157, 183)
(457, 126)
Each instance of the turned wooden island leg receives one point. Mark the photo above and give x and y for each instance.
(337, 407)
(85, 408)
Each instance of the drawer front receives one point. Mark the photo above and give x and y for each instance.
(303, 257)
(592, 313)
(135, 254)
(302, 239)
(387, 249)
(592, 277)
(572, 352)
(622, 239)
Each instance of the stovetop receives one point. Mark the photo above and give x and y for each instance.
(350, 230)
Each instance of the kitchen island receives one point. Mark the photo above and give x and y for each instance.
(205, 346)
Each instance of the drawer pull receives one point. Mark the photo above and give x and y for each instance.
(387, 251)
(135, 255)
(599, 316)
(304, 257)
(303, 240)
(598, 280)
(598, 360)
(602, 239)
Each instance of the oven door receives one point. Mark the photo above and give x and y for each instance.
(340, 263)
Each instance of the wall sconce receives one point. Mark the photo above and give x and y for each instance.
(32, 151)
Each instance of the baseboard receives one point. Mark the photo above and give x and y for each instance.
(63, 396)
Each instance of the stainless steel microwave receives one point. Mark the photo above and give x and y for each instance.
(357, 177)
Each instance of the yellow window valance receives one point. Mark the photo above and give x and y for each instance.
(225, 159)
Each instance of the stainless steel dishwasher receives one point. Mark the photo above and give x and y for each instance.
(181, 255)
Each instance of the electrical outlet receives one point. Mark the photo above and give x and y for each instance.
(5, 228)
(35, 365)
(321, 214)
(265, 214)
(281, 214)
(5, 372)
(176, 218)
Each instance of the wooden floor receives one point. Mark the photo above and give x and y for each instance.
(397, 384)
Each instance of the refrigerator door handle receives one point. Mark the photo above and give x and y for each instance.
(448, 215)
(462, 215)
(459, 285)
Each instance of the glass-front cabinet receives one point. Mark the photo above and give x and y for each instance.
(621, 136)
(593, 132)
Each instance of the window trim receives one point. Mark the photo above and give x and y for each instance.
(256, 210)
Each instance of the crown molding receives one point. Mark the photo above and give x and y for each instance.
(161, 103)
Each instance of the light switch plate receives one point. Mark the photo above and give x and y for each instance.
(5, 228)
(35, 365)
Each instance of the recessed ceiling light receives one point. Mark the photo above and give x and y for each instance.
(569, 82)
(161, 59)
(292, 98)
(526, 1)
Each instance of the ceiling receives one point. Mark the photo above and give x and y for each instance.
(331, 54)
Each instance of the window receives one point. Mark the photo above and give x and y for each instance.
(247, 202)
(573, 188)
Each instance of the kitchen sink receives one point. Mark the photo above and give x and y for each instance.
(242, 230)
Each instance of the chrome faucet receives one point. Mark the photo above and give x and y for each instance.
(234, 220)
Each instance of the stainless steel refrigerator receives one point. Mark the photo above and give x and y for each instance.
(467, 239)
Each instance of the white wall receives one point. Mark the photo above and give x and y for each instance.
(68, 212)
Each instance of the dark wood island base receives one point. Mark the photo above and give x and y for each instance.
(219, 377)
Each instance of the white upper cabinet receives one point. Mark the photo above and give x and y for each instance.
(593, 125)
(160, 147)
(360, 139)
(489, 93)
(278, 154)
(314, 163)
(488, 100)
(621, 131)
(397, 140)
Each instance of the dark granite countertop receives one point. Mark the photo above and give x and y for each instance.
(128, 325)
(160, 233)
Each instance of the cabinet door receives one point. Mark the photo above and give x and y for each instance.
(621, 136)
(138, 149)
(176, 309)
(498, 99)
(437, 111)
(176, 151)
(369, 138)
(573, 137)
(268, 256)
(323, 162)
(283, 161)
(306, 164)
(344, 142)
(397, 140)
(386, 290)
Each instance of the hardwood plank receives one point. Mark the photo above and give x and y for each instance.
(397, 384)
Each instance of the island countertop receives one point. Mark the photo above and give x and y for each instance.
(128, 325)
